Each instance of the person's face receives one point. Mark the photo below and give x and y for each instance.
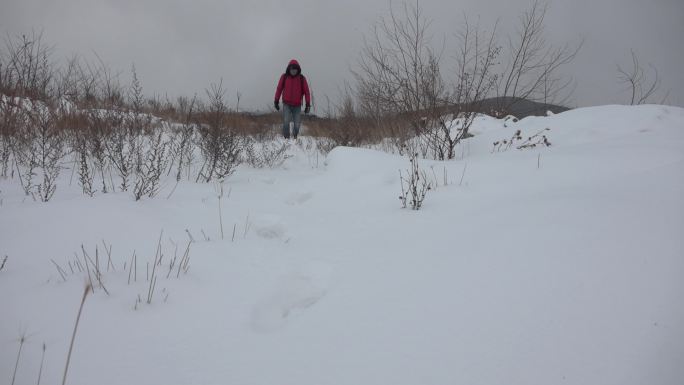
(293, 71)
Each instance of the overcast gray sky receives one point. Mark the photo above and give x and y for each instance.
(180, 47)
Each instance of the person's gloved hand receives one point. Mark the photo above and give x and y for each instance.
(307, 109)
(276, 104)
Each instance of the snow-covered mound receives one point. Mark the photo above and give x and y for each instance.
(542, 265)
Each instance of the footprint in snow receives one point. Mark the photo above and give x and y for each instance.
(299, 198)
(269, 227)
(293, 293)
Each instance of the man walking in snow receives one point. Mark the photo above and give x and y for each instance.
(292, 86)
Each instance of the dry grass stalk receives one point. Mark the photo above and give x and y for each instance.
(42, 360)
(22, 340)
(73, 336)
(59, 270)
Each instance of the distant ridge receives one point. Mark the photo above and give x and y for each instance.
(519, 107)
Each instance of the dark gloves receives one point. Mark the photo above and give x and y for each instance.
(307, 109)
(276, 104)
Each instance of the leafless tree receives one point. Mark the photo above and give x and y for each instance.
(641, 87)
(531, 70)
(400, 74)
(399, 70)
(476, 57)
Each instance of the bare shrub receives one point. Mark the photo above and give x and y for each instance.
(183, 146)
(85, 170)
(271, 154)
(39, 145)
(345, 125)
(148, 178)
(137, 119)
(219, 143)
(4, 154)
(538, 139)
(123, 146)
(74, 125)
(417, 185)
(97, 140)
(51, 150)
(126, 130)
(24, 155)
(9, 127)
(26, 69)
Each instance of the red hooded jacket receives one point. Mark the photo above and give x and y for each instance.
(292, 88)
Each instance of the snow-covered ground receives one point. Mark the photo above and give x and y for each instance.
(558, 265)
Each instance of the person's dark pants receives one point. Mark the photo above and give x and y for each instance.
(291, 114)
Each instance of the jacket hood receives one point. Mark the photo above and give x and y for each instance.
(293, 64)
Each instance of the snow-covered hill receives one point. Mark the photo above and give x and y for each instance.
(547, 265)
